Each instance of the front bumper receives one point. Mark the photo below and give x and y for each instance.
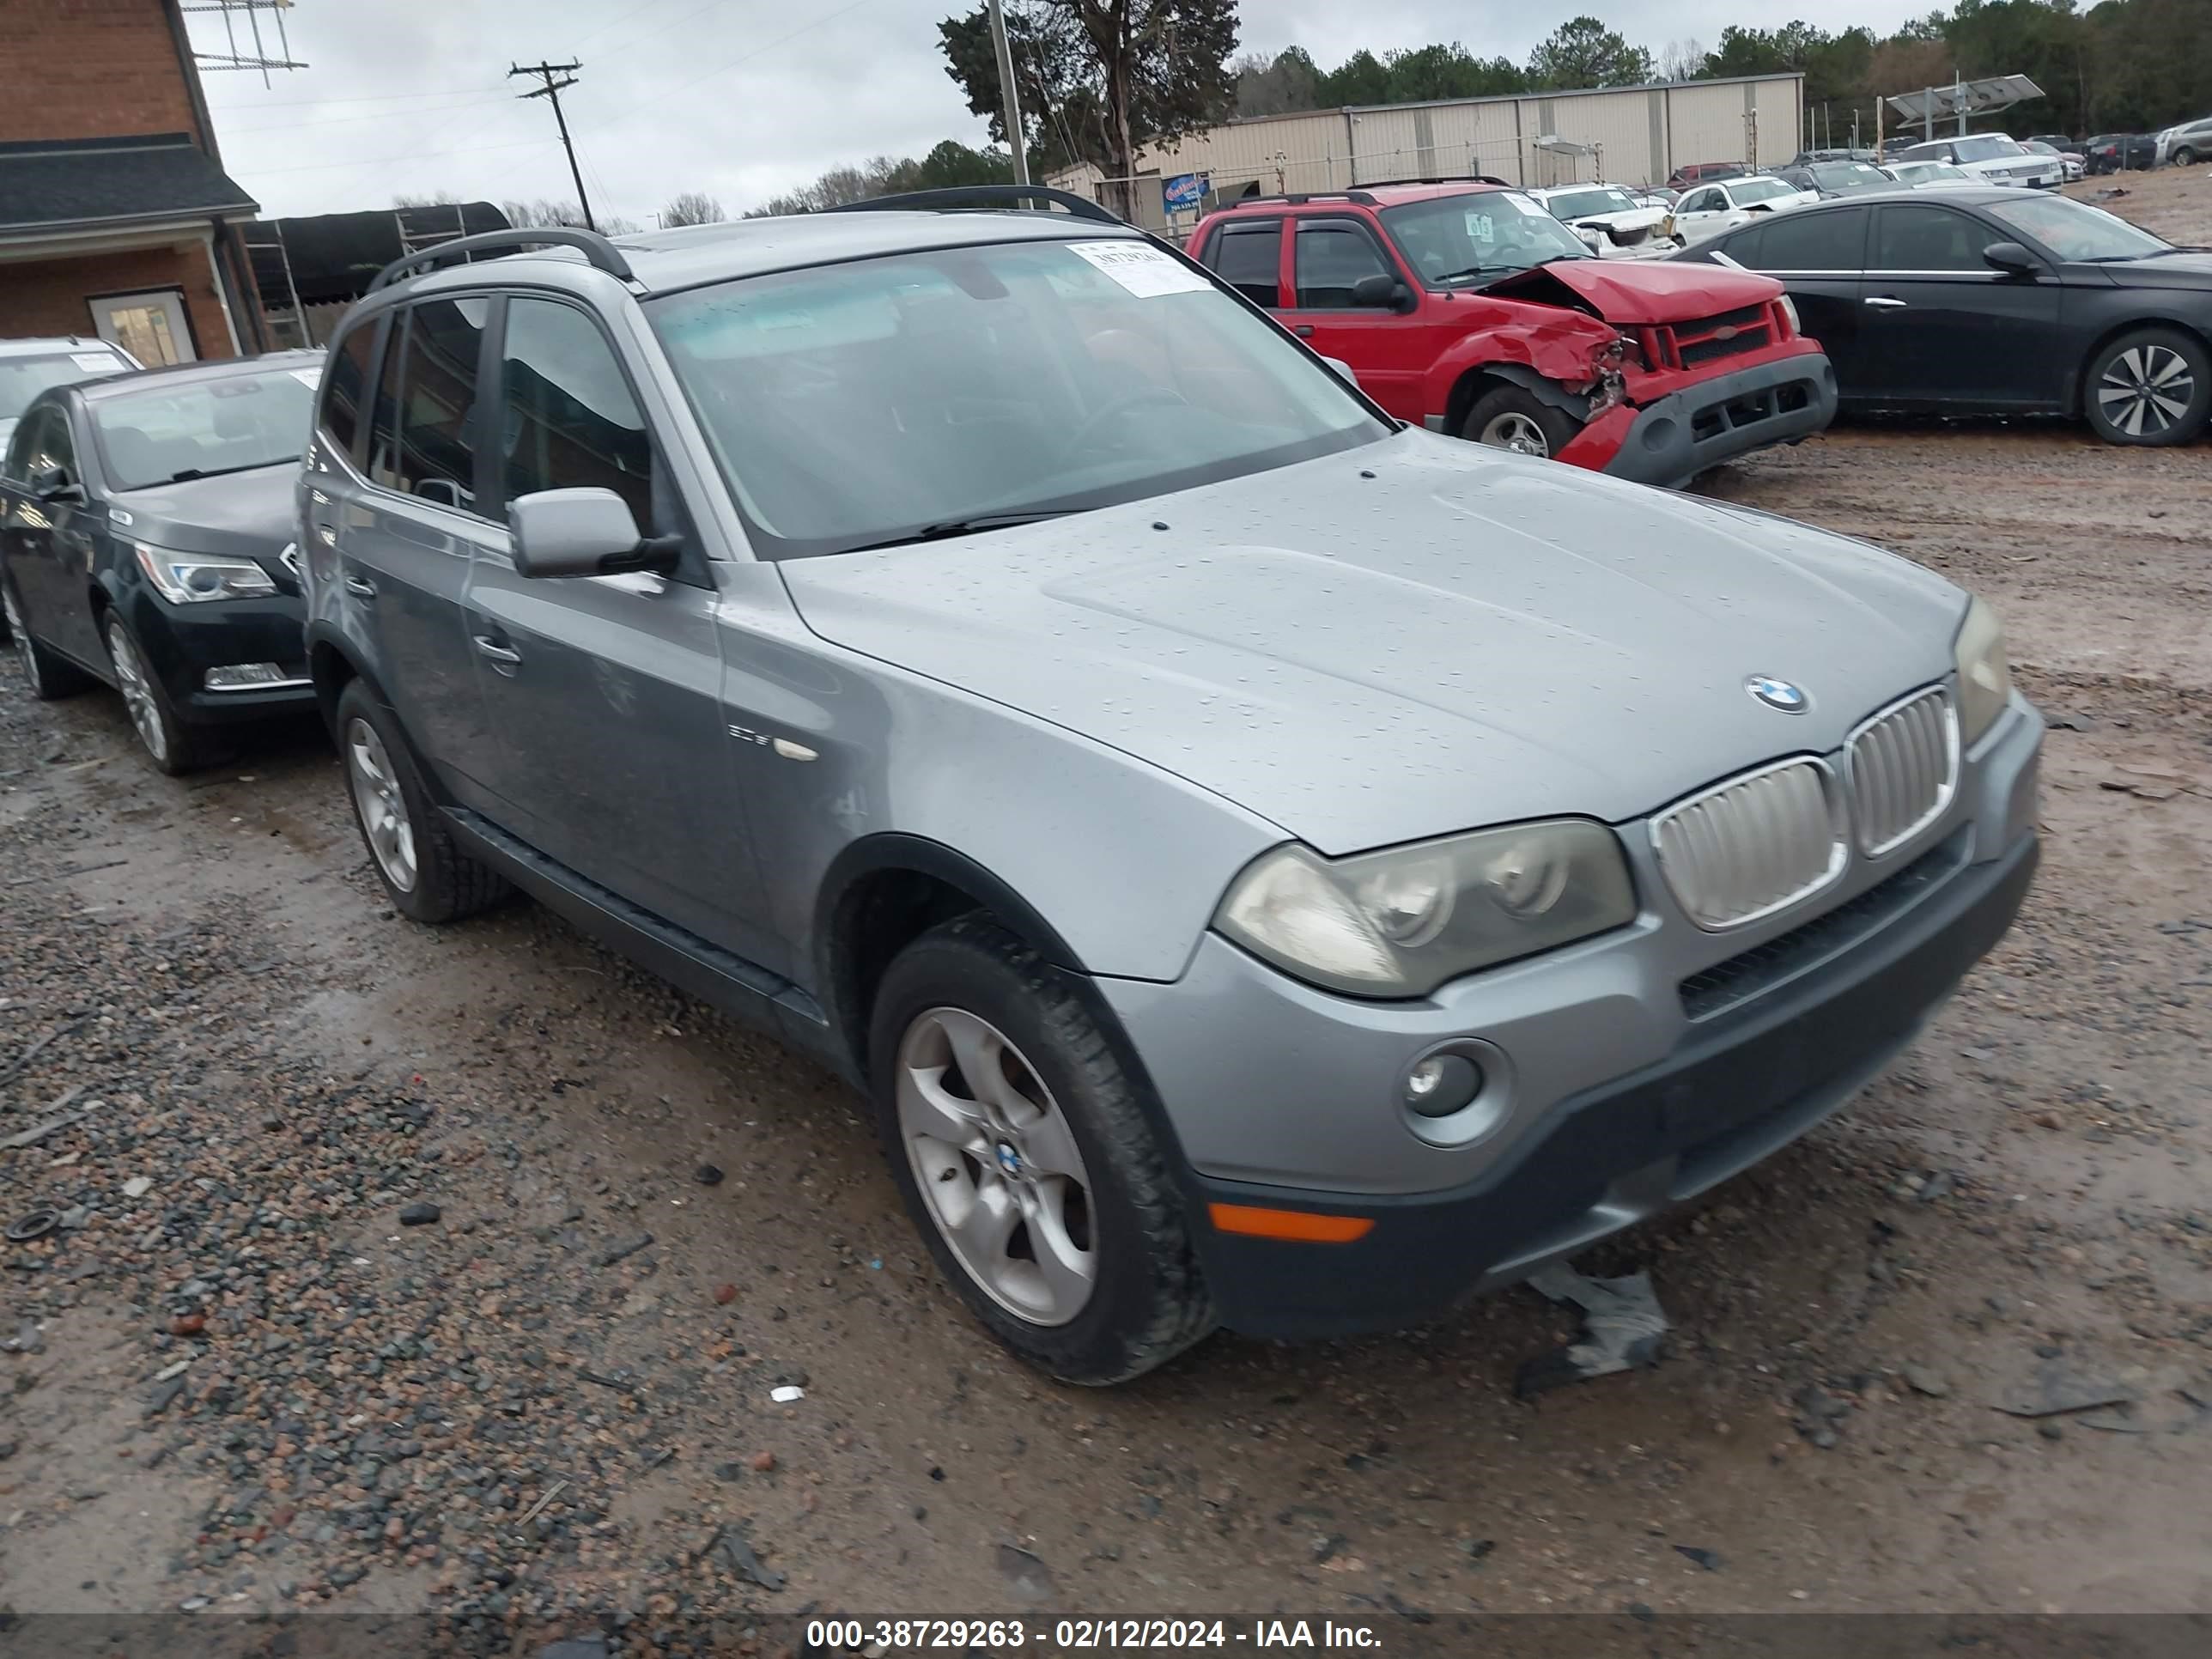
(1632, 1070)
(183, 642)
(1672, 440)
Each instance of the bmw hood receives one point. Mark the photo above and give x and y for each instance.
(1666, 291)
(235, 514)
(1408, 638)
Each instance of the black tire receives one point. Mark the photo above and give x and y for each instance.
(1516, 409)
(2184, 157)
(446, 883)
(49, 678)
(174, 745)
(2173, 362)
(1148, 1301)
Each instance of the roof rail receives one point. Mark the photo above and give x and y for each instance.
(1447, 178)
(601, 254)
(985, 198)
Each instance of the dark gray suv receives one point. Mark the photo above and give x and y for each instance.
(1266, 865)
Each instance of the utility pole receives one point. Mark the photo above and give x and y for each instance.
(552, 90)
(1007, 99)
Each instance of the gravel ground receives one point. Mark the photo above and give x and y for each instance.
(249, 1372)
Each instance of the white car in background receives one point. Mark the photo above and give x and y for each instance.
(1930, 176)
(1709, 210)
(1613, 223)
(1994, 159)
(30, 367)
(2189, 142)
(2070, 165)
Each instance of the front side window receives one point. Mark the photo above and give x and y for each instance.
(920, 397)
(2075, 230)
(42, 440)
(1332, 258)
(170, 432)
(567, 420)
(1928, 238)
(1249, 258)
(1477, 235)
(1705, 201)
(424, 439)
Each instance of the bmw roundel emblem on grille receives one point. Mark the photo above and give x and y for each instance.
(1778, 694)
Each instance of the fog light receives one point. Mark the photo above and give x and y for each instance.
(1440, 1085)
(244, 676)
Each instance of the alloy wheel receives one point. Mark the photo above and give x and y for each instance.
(997, 1165)
(132, 680)
(1517, 432)
(382, 807)
(2146, 389)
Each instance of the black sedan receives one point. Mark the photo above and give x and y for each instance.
(146, 541)
(2120, 152)
(1974, 300)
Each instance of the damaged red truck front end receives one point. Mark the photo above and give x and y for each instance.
(1466, 307)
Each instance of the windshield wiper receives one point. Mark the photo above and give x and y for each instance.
(192, 472)
(973, 524)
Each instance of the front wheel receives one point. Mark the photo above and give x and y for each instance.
(2184, 157)
(173, 747)
(2150, 386)
(1026, 1160)
(1513, 417)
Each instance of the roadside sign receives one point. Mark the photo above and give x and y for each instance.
(1183, 192)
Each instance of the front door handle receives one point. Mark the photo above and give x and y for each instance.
(1304, 331)
(1885, 302)
(327, 534)
(360, 587)
(492, 650)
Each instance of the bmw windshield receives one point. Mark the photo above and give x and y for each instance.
(918, 396)
(1476, 236)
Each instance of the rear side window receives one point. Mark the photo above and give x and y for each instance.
(1332, 258)
(569, 421)
(1830, 241)
(1928, 238)
(345, 384)
(423, 442)
(1249, 258)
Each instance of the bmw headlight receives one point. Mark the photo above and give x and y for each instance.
(1401, 923)
(1985, 675)
(188, 578)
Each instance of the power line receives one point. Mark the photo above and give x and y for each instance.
(307, 127)
(662, 96)
(369, 98)
(551, 90)
(388, 162)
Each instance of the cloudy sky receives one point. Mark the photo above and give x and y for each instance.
(739, 98)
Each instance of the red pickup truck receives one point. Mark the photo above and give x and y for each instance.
(1466, 307)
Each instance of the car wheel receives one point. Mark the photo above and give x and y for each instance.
(2184, 157)
(1027, 1161)
(173, 747)
(49, 678)
(2152, 386)
(1513, 417)
(425, 873)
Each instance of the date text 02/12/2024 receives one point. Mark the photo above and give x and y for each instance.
(881, 1637)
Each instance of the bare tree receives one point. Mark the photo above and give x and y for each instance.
(1682, 60)
(442, 199)
(693, 207)
(542, 213)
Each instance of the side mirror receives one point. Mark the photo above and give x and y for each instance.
(1342, 370)
(582, 532)
(2011, 258)
(53, 483)
(1382, 293)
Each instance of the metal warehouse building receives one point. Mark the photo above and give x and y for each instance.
(1627, 134)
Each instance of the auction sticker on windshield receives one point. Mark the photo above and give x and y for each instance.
(1142, 269)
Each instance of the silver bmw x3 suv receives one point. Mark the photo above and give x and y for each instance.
(1267, 867)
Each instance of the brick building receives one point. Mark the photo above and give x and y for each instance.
(116, 217)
